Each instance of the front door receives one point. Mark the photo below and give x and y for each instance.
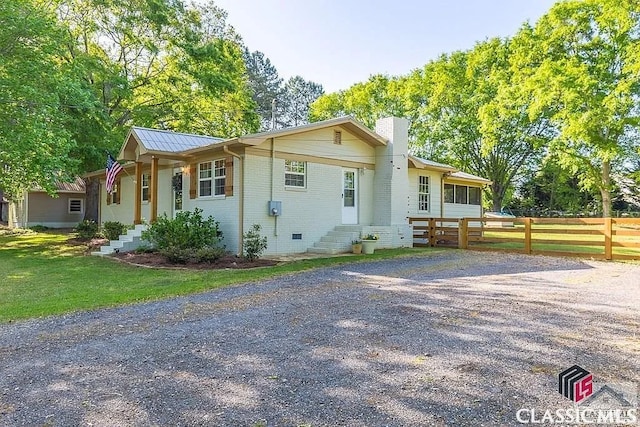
(349, 196)
(176, 184)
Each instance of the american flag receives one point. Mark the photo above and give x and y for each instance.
(113, 169)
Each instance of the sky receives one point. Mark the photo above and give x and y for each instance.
(340, 43)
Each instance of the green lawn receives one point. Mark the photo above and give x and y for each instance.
(42, 275)
(561, 247)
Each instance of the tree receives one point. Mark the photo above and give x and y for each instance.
(265, 86)
(298, 96)
(367, 102)
(156, 64)
(581, 65)
(36, 93)
(463, 110)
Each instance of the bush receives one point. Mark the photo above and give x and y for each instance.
(113, 229)
(184, 256)
(38, 228)
(254, 243)
(87, 229)
(186, 238)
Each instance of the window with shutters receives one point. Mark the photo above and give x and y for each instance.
(211, 178)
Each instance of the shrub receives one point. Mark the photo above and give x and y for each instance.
(186, 238)
(254, 243)
(38, 228)
(113, 229)
(87, 229)
(183, 256)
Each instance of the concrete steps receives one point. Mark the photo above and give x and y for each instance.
(125, 243)
(337, 240)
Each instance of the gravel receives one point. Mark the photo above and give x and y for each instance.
(450, 338)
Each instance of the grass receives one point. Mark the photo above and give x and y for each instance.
(562, 247)
(42, 275)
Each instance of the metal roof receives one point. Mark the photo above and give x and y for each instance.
(75, 186)
(464, 175)
(433, 164)
(173, 142)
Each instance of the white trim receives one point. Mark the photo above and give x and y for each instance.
(428, 193)
(293, 173)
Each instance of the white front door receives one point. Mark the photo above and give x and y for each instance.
(349, 196)
(176, 185)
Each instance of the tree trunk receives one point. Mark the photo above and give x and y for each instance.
(92, 186)
(605, 189)
(496, 198)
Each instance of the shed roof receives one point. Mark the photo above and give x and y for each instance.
(469, 177)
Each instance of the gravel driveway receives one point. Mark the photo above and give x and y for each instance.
(452, 338)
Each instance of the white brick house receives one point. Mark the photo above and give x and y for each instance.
(311, 188)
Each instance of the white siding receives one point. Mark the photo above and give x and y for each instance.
(454, 210)
(320, 143)
(435, 188)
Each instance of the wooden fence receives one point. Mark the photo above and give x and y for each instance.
(604, 238)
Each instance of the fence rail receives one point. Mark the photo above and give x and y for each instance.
(605, 238)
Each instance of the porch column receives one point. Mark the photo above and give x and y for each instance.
(137, 208)
(153, 190)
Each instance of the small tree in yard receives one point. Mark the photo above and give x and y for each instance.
(188, 237)
(254, 243)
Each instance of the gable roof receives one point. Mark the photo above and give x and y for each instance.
(178, 145)
(162, 141)
(347, 122)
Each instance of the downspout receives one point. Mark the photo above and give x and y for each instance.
(241, 198)
(442, 195)
(273, 156)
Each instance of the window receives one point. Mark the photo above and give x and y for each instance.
(294, 173)
(114, 197)
(76, 206)
(475, 196)
(146, 178)
(461, 194)
(211, 176)
(423, 193)
(448, 193)
(220, 177)
(204, 177)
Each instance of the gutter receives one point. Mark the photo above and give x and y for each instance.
(241, 198)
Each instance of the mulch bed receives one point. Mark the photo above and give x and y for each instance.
(159, 261)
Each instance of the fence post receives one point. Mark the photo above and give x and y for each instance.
(432, 232)
(462, 234)
(527, 236)
(608, 228)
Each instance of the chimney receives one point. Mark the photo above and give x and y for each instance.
(391, 180)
